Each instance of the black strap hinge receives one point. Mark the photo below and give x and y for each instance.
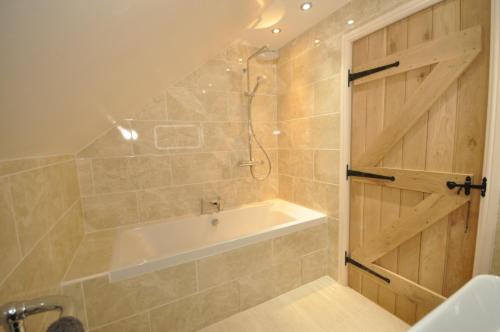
(354, 76)
(467, 186)
(365, 268)
(350, 172)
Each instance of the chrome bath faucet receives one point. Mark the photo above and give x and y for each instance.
(217, 203)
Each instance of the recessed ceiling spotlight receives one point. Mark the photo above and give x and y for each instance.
(317, 41)
(228, 69)
(276, 30)
(306, 6)
(350, 22)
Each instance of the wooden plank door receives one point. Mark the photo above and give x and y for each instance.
(422, 122)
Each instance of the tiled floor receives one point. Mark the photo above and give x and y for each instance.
(322, 305)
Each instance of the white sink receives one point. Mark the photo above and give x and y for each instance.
(473, 308)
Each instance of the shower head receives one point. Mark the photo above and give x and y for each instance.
(265, 54)
(268, 55)
(262, 54)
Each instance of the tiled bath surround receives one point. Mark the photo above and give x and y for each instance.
(41, 227)
(189, 143)
(308, 114)
(190, 296)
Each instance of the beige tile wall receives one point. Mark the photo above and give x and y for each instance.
(190, 296)
(190, 141)
(41, 225)
(308, 113)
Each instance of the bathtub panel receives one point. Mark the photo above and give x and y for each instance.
(197, 311)
(269, 283)
(215, 270)
(256, 288)
(314, 265)
(286, 276)
(295, 245)
(107, 302)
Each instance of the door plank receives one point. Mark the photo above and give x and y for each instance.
(439, 157)
(395, 88)
(469, 147)
(357, 191)
(419, 31)
(424, 181)
(373, 127)
(434, 51)
(430, 210)
(417, 105)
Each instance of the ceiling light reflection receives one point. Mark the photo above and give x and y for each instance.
(306, 6)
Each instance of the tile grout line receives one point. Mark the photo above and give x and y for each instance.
(84, 304)
(75, 254)
(37, 242)
(16, 228)
(37, 168)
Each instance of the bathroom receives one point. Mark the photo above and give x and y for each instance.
(250, 165)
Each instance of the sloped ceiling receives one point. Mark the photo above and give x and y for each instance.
(70, 68)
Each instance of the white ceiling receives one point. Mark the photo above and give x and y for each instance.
(71, 68)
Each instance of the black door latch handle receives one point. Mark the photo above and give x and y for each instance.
(467, 186)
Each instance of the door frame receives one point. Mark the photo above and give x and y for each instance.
(489, 209)
(486, 210)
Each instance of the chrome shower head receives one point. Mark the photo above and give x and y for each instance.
(268, 55)
(265, 54)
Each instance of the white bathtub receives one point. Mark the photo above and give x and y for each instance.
(157, 246)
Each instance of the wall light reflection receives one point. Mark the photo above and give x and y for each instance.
(128, 134)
